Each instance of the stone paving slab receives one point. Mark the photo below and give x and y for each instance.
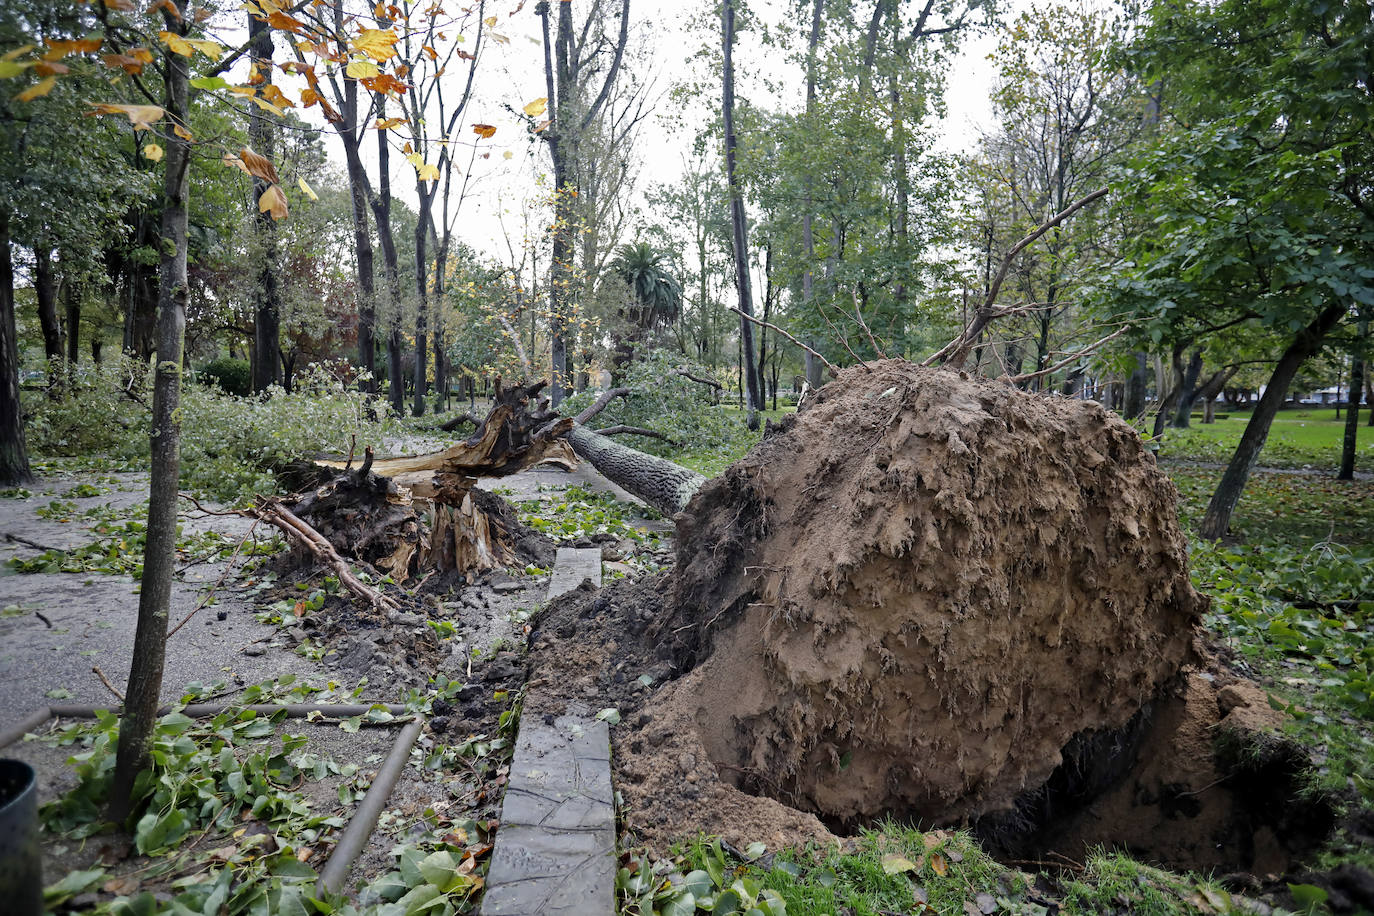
(555, 850)
(572, 566)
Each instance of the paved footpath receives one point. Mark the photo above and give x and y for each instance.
(555, 851)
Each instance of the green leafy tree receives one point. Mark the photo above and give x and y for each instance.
(1259, 188)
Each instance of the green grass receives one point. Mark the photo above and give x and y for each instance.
(896, 869)
(1298, 438)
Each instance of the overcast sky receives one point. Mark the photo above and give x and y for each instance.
(510, 174)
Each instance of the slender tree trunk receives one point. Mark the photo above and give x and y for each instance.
(740, 231)
(1217, 520)
(45, 290)
(381, 211)
(1136, 383)
(421, 303)
(812, 364)
(1352, 422)
(1168, 399)
(159, 557)
(1183, 414)
(1359, 368)
(71, 305)
(14, 454)
(266, 295)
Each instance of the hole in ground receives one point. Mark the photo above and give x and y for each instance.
(1180, 785)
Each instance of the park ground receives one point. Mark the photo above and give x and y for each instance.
(1292, 606)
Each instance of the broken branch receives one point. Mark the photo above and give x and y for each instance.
(772, 327)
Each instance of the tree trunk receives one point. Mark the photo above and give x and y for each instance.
(266, 294)
(1188, 392)
(45, 290)
(1352, 421)
(71, 303)
(381, 211)
(1136, 383)
(1217, 520)
(159, 557)
(740, 233)
(421, 302)
(659, 482)
(14, 454)
(1167, 399)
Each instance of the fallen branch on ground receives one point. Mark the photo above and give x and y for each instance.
(302, 535)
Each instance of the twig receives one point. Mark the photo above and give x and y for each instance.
(772, 327)
(955, 352)
(106, 681)
(863, 324)
(43, 617)
(307, 537)
(191, 499)
(450, 425)
(844, 341)
(34, 544)
(352, 447)
(1070, 359)
(205, 599)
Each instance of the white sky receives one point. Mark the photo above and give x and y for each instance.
(512, 74)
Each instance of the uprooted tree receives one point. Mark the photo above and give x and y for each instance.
(925, 595)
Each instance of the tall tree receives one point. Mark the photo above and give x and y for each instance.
(267, 297)
(739, 227)
(573, 58)
(1258, 189)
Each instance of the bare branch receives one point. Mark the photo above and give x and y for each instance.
(1072, 358)
(600, 403)
(773, 327)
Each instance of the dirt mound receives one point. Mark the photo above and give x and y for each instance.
(911, 597)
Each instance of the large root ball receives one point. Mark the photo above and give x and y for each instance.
(913, 595)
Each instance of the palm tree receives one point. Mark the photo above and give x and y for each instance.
(657, 294)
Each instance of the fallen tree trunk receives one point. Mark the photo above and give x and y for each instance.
(666, 486)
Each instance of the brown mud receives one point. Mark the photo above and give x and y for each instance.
(945, 601)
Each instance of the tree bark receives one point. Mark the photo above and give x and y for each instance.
(666, 486)
(71, 303)
(14, 454)
(1352, 422)
(421, 303)
(1217, 519)
(1187, 393)
(266, 294)
(1136, 383)
(159, 557)
(812, 364)
(45, 290)
(740, 232)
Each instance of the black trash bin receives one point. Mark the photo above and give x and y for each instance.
(21, 862)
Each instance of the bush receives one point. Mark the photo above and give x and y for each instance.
(233, 376)
(229, 445)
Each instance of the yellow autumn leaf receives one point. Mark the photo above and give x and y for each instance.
(176, 44)
(152, 152)
(388, 123)
(181, 132)
(142, 117)
(507, 154)
(499, 39)
(268, 106)
(234, 162)
(428, 172)
(485, 131)
(17, 53)
(9, 68)
(306, 189)
(415, 159)
(537, 107)
(375, 43)
(490, 21)
(362, 69)
(37, 90)
(273, 202)
(211, 49)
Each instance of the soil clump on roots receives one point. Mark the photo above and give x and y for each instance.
(934, 598)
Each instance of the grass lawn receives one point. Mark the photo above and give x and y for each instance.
(1310, 437)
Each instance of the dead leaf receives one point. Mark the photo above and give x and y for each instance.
(142, 117)
(894, 864)
(273, 202)
(153, 152)
(939, 865)
(537, 107)
(258, 166)
(37, 90)
(485, 131)
(123, 886)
